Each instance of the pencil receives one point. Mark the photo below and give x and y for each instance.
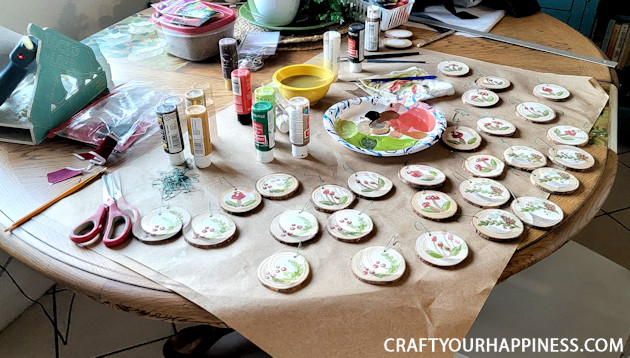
(68, 192)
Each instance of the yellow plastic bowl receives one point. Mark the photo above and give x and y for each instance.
(313, 94)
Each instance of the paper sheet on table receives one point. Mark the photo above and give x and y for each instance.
(336, 315)
(485, 21)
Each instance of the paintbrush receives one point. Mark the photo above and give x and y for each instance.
(393, 61)
(416, 78)
(45, 206)
(386, 55)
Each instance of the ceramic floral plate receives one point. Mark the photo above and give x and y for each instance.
(567, 135)
(378, 265)
(284, 271)
(384, 127)
(369, 184)
(537, 212)
(441, 248)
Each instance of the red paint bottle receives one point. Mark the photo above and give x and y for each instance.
(242, 90)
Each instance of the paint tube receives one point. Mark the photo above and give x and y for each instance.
(262, 121)
(299, 127)
(242, 90)
(172, 138)
(355, 46)
(199, 134)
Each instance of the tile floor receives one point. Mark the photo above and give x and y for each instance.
(557, 294)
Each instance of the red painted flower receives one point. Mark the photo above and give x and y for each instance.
(415, 173)
(426, 205)
(547, 89)
(478, 167)
(457, 134)
(482, 159)
(434, 239)
(432, 197)
(440, 244)
(326, 191)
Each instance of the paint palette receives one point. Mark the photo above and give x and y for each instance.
(567, 135)
(492, 83)
(294, 226)
(378, 265)
(386, 127)
(369, 184)
(551, 92)
(433, 205)
(461, 138)
(441, 248)
(284, 272)
(496, 126)
(484, 166)
(524, 158)
(421, 176)
(572, 158)
(497, 225)
(480, 98)
(453, 68)
(554, 181)
(210, 231)
(330, 198)
(239, 200)
(535, 112)
(149, 238)
(484, 192)
(349, 225)
(277, 186)
(537, 212)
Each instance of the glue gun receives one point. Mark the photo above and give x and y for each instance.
(20, 61)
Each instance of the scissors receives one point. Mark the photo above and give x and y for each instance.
(117, 211)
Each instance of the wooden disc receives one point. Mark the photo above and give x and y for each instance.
(397, 43)
(480, 98)
(433, 205)
(421, 176)
(484, 192)
(492, 83)
(484, 166)
(453, 68)
(161, 221)
(277, 186)
(567, 135)
(496, 126)
(535, 112)
(398, 34)
(349, 225)
(330, 198)
(240, 200)
(537, 212)
(210, 231)
(552, 92)
(369, 184)
(554, 181)
(462, 138)
(284, 272)
(378, 265)
(572, 158)
(143, 236)
(497, 225)
(524, 158)
(441, 248)
(294, 226)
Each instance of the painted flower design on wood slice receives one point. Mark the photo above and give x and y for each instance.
(284, 271)
(421, 176)
(551, 91)
(378, 265)
(537, 212)
(453, 68)
(571, 157)
(461, 138)
(554, 181)
(349, 225)
(496, 126)
(567, 135)
(485, 166)
(144, 236)
(213, 226)
(492, 83)
(294, 226)
(523, 157)
(277, 185)
(331, 197)
(441, 248)
(239, 200)
(497, 224)
(433, 205)
(535, 112)
(161, 221)
(484, 192)
(369, 184)
(480, 98)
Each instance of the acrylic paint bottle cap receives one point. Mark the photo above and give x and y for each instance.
(176, 158)
(203, 162)
(265, 157)
(356, 67)
(299, 151)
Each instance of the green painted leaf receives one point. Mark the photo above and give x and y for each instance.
(490, 99)
(343, 200)
(381, 182)
(485, 170)
(504, 128)
(559, 93)
(434, 254)
(472, 140)
(546, 113)
(533, 116)
(428, 210)
(248, 203)
(456, 250)
(453, 142)
(426, 179)
(326, 203)
(557, 131)
(493, 163)
(366, 190)
(434, 173)
(230, 203)
(446, 206)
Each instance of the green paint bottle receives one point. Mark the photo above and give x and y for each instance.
(263, 124)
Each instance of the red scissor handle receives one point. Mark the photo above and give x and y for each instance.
(88, 229)
(115, 218)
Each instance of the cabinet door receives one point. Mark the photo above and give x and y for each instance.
(578, 14)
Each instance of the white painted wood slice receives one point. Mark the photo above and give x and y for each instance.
(277, 185)
(537, 212)
(524, 158)
(369, 184)
(349, 225)
(570, 157)
(239, 200)
(378, 265)
(567, 135)
(284, 272)
(554, 181)
(441, 248)
(484, 192)
(294, 226)
(143, 236)
(497, 225)
(480, 98)
(484, 166)
(421, 176)
(461, 138)
(331, 197)
(496, 126)
(434, 205)
(453, 68)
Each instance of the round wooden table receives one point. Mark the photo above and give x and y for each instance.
(23, 167)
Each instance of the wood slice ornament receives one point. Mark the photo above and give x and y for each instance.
(441, 248)
(567, 135)
(453, 68)
(484, 166)
(277, 186)
(461, 138)
(349, 225)
(572, 158)
(210, 230)
(397, 43)
(497, 225)
(537, 212)
(378, 265)
(294, 226)
(421, 176)
(484, 192)
(369, 184)
(535, 112)
(284, 272)
(524, 158)
(161, 221)
(143, 236)
(480, 98)
(398, 34)
(433, 205)
(330, 198)
(239, 200)
(496, 126)
(492, 83)
(554, 181)
(551, 92)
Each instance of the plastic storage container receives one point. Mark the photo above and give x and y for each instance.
(196, 43)
(389, 18)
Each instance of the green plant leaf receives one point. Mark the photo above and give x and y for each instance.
(446, 205)
(434, 254)
(472, 140)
